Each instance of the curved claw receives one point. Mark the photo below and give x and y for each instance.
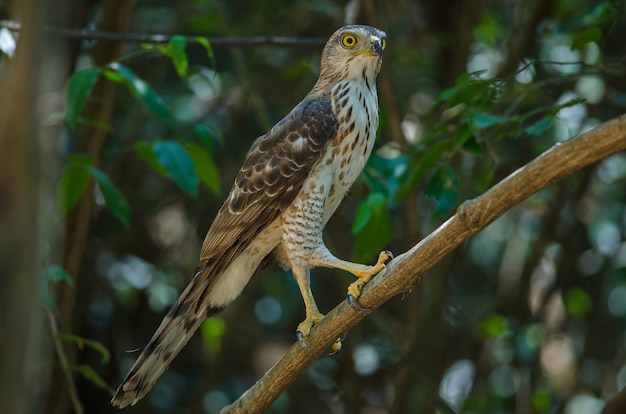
(390, 256)
(355, 305)
(300, 338)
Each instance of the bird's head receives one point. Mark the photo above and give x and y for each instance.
(353, 52)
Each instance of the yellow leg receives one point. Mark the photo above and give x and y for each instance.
(364, 273)
(313, 315)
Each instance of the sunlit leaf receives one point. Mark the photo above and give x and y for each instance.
(115, 200)
(179, 165)
(89, 343)
(495, 325)
(488, 30)
(76, 91)
(140, 89)
(178, 54)
(209, 49)
(577, 302)
(212, 330)
(73, 182)
(204, 165)
(542, 401)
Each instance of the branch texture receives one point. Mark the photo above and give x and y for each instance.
(404, 272)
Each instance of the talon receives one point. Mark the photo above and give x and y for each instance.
(354, 305)
(300, 338)
(389, 255)
(304, 329)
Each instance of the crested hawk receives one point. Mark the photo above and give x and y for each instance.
(292, 181)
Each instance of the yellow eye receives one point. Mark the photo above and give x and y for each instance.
(384, 44)
(349, 41)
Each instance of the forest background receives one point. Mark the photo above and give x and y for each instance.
(122, 128)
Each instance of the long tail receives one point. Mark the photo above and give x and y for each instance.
(177, 327)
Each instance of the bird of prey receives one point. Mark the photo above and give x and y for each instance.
(292, 181)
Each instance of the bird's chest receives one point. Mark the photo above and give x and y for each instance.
(357, 107)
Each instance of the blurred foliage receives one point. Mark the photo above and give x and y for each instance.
(528, 316)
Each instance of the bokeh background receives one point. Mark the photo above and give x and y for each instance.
(529, 316)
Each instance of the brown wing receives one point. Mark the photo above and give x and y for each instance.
(275, 169)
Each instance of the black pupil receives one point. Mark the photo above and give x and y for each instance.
(349, 40)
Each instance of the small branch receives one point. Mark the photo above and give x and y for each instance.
(403, 273)
(65, 366)
(162, 38)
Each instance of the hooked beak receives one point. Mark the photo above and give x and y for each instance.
(376, 46)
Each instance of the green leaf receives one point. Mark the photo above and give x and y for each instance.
(541, 126)
(57, 274)
(212, 330)
(178, 164)
(89, 374)
(421, 165)
(488, 30)
(482, 120)
(208, 135)
(114, 199)
(593, 34)
(76, 91)
(209, 50)
(139, 89)
(204, 165)
(495, 325)
(82, 342)
(145, 152)
(472, 146)
(178, 54)
(372, 226)
(73, 182)
(542, 401)
(577, 302)
(444, 187)
(54, 274)
(467, 89)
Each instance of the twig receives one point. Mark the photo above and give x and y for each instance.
(404, 272)
(65, 366)
(162, 38)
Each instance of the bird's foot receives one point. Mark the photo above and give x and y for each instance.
(304, 329)
(354, 290)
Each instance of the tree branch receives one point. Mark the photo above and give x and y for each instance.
(404, 272)
(162, 38)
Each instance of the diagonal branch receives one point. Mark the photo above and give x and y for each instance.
(404, 272)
